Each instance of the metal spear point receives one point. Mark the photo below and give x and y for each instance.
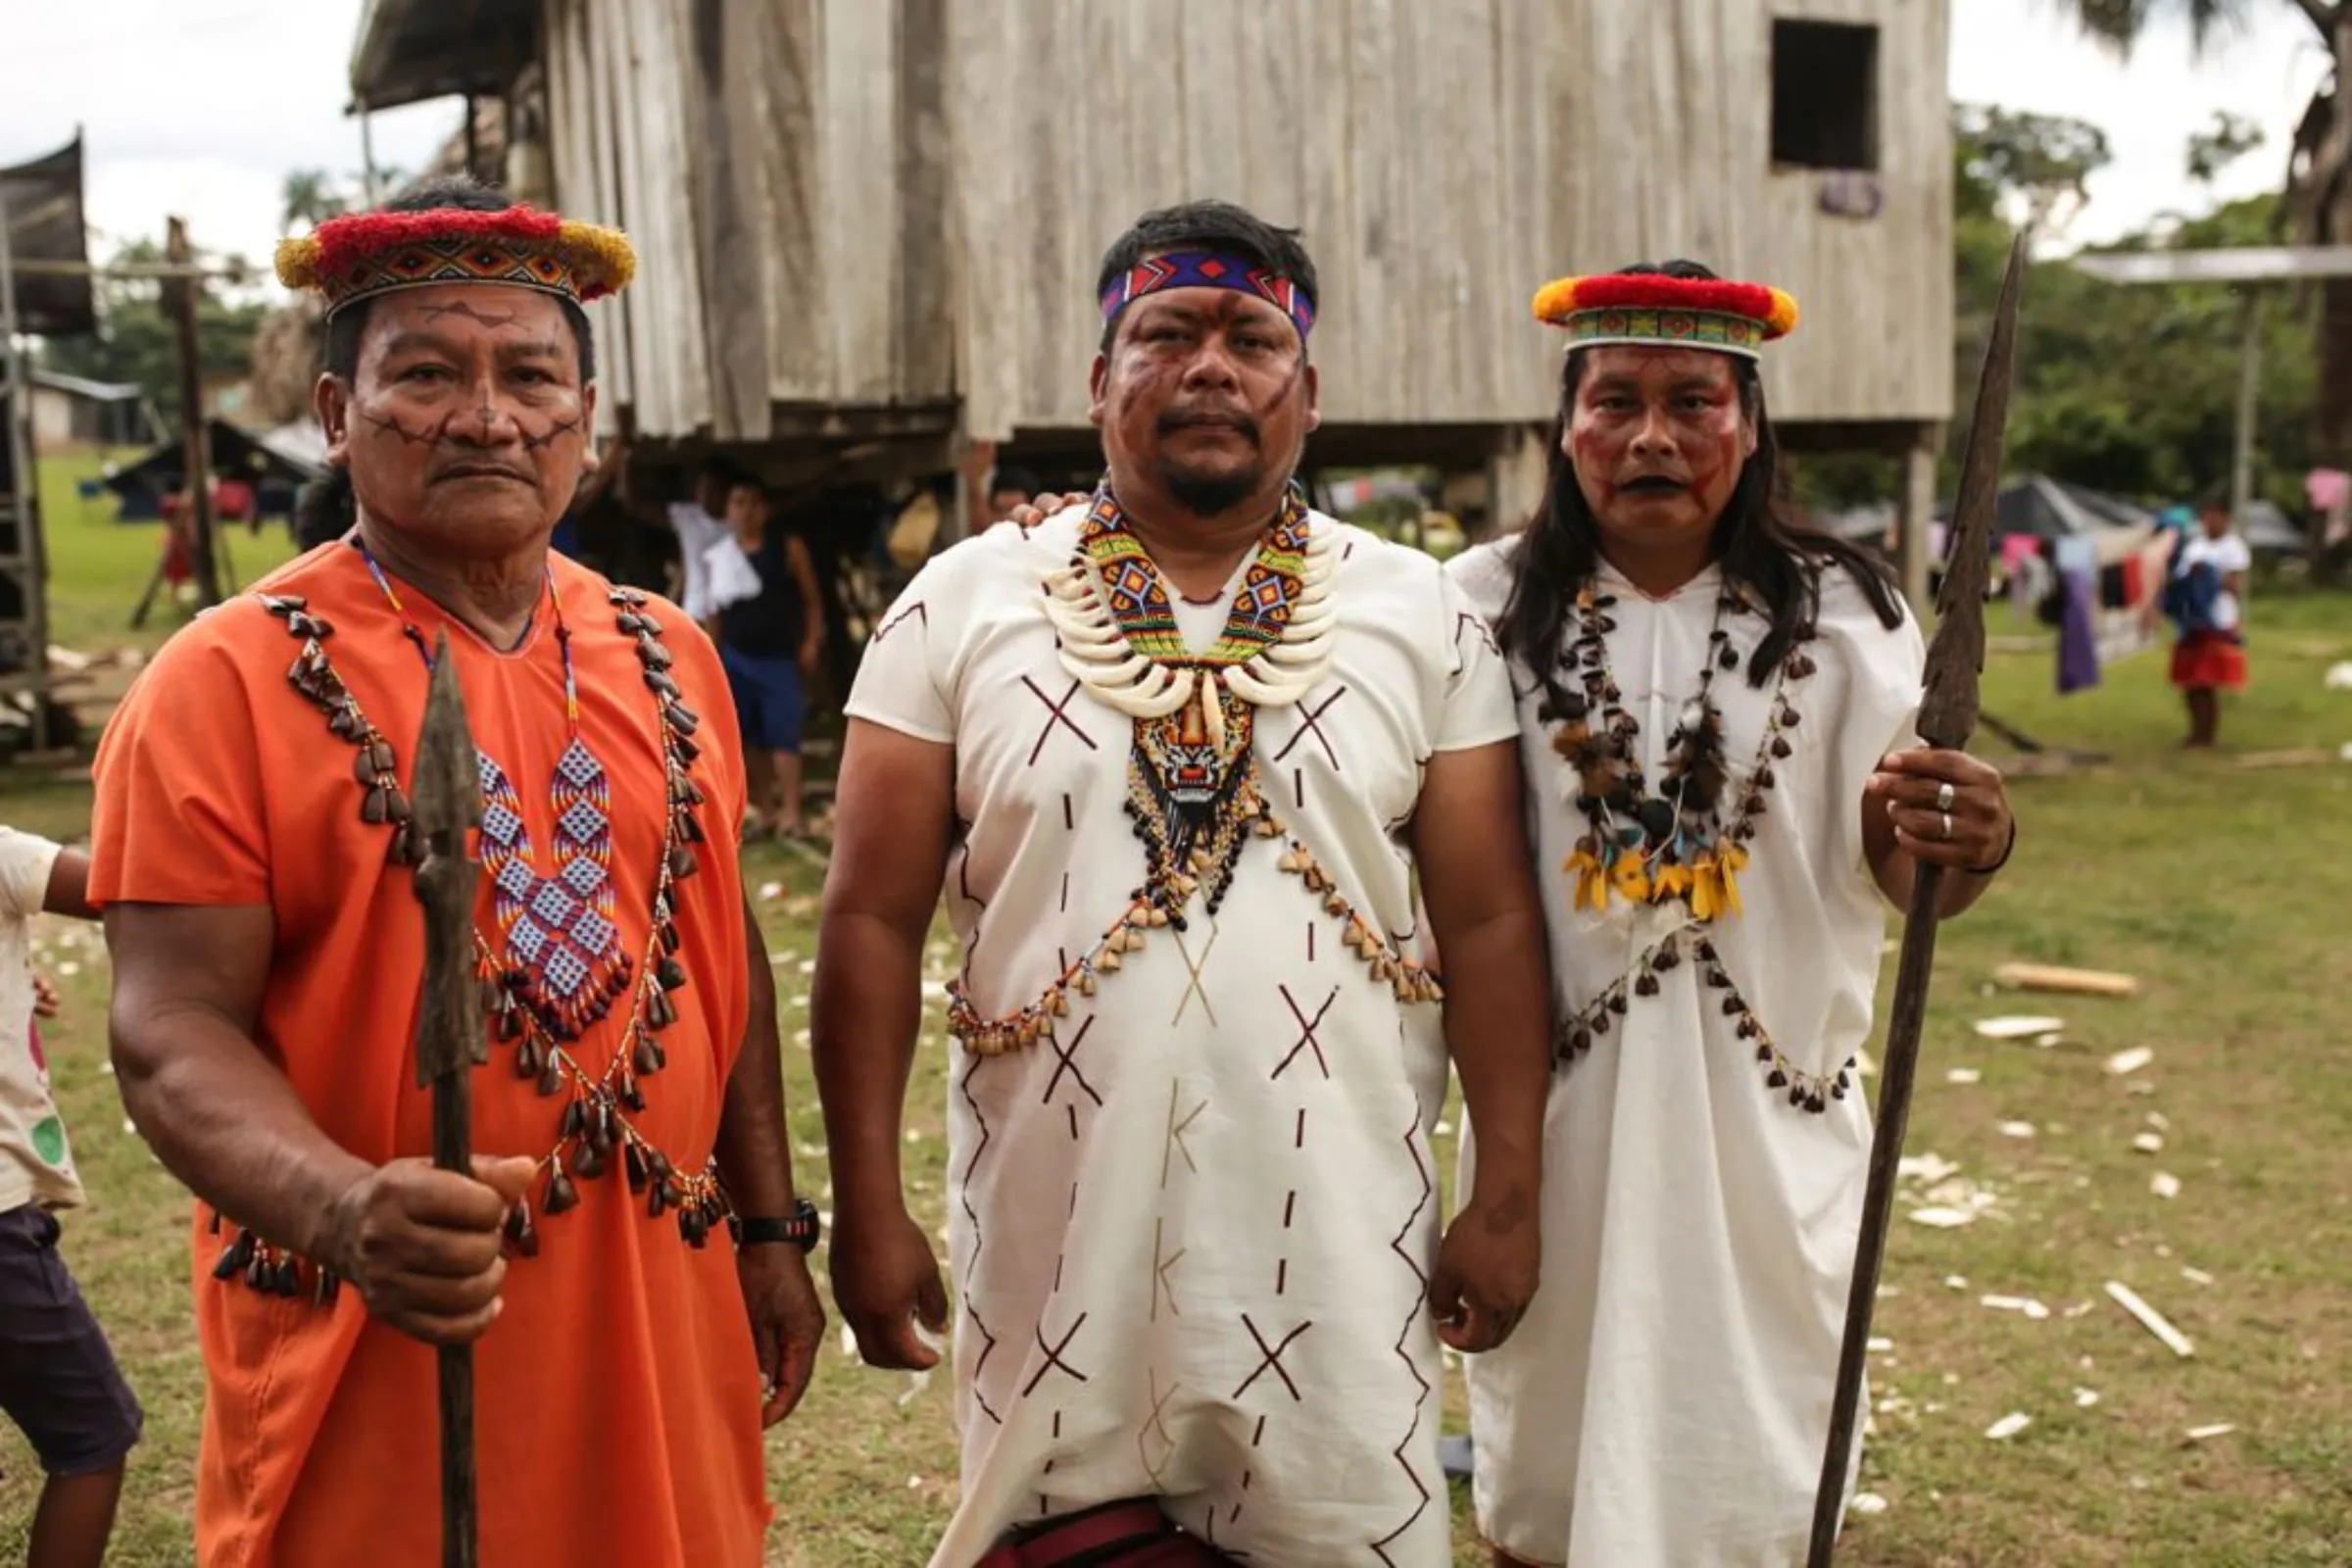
(1948, 717)
(450, 1036)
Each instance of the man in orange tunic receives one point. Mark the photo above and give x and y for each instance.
(253, 860)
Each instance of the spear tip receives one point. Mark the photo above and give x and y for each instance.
(447, 790)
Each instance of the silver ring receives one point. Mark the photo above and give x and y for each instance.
(1947, 824)
(1944, 796)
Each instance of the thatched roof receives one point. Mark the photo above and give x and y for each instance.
(288, 353)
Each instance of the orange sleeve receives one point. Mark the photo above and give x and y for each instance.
(179, 816)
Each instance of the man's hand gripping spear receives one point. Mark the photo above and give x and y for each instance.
(1948, 717)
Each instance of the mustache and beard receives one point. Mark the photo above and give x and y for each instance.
(1208, 491)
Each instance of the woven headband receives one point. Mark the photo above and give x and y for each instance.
(1655, 311)
(366, 254)
(1210, 269)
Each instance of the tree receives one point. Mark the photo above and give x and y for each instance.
(2131, 389)
(136, 341)
(2039, 163)
(2219, 144)
(308, 198)
(2317, 206)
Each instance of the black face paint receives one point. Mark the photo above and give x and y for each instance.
(561, 427)
(434, 313)
(392, 426)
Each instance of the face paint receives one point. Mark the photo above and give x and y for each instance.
(1658, 438)
(462, 417)
(1201, 399)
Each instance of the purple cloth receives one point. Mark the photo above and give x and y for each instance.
(2078, 633)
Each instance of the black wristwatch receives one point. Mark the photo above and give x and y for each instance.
(799, 1231)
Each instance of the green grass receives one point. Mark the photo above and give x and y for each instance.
(2221, 887)
(98, 566)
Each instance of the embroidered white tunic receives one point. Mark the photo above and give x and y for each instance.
(1666, 1399)
(1191, 1230)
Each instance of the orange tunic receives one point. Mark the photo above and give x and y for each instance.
(618, 1394)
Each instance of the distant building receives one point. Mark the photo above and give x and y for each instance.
(69, 411)
(869, 228)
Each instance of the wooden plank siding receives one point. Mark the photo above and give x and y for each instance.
(848, 205)
(782, 166)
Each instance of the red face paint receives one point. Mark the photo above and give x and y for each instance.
(1204, 398)
(1658, 440)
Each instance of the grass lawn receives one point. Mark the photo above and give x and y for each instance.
(98, 566)
(2219, 885)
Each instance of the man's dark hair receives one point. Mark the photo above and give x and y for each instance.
(1757, 541)
(1206, 225)
(350, 325)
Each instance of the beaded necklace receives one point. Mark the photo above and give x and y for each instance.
(557, 932)
(594, 1130)
(1675, 844)
(1192, 774)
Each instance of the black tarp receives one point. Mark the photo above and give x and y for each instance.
(45, 225)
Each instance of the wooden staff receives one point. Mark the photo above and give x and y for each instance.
(1948, 717)
(450, 1036)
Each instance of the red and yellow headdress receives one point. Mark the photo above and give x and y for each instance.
(1654, 309)
(366, 254)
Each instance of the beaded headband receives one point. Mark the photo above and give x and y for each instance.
(1210, 269)
(366, 254)
(1651, 310)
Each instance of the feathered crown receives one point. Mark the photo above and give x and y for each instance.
(1654, 310)
(366, 254)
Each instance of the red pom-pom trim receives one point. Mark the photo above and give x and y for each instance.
(1641, 290)
(343, 241)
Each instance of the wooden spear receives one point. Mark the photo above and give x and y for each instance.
(1948, 717)
(450, 1036)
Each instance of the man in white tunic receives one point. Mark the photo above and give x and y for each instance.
(1723, 784)
(1178, 756)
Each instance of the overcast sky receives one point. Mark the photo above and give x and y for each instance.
(200, 107)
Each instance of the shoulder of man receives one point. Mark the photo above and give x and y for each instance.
(1848, 618)
(1482, 573)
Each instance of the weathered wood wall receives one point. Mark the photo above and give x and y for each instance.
(1444, 158)
(1675, 102)
(781, 166)
(877, 204)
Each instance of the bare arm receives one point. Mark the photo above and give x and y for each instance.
(69, 892)
(812, 599)
(754, 1160)
(755, 1152)
(216, 1110)
(890, 850)
(1470, 846)
(421, 1246)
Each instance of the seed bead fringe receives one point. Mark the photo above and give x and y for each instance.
(1575, 1035)
(1158, 908)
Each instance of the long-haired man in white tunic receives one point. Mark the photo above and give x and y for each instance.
(1724, 788)
(1178, 754)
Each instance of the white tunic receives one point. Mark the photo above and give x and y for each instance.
(1666, 1401)
(1190, 1233)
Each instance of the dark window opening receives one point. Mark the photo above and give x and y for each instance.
(1825, 95)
